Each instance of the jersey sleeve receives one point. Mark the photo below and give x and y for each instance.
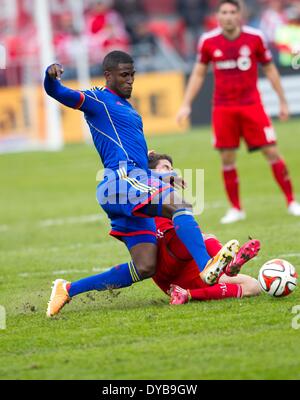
(203, 54)
(263, 53)
(78, 100)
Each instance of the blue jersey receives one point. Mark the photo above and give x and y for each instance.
(116, 127)
(117, 132)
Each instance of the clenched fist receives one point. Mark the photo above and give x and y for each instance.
(55, 71)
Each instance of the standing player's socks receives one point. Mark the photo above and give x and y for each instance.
(231, 182)
(213, 246)
(281, 175)
(189, 233)
(121, 276)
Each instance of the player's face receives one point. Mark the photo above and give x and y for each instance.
(121, 80)
(164, 166)
(229, 17)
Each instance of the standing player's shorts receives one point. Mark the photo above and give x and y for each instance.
(179, 270)
(128, 198)
(248, 121)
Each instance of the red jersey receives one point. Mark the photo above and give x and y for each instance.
(163, 225)
(235, 64)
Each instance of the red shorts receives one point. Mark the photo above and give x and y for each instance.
(182, 271)
(249, 121)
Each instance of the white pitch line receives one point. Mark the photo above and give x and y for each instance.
(61, 272)
(55, 249)
(289, 255)
(214, 205)
(70, 220)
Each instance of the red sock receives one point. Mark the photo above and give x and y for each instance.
(281, 175)
(217, 292)
(231, 182)
(213, 246)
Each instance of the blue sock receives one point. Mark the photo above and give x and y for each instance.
(117, 277)
(189, 233)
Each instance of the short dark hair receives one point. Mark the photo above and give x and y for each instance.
(114, 58)
(233, 2)
(153, 159)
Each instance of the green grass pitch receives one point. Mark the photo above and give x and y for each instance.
(52, 227)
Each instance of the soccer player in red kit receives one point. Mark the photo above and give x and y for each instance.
(176, 271)
(235, 51)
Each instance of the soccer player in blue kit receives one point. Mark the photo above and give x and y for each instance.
(129, 194)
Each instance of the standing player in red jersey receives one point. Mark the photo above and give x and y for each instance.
(176, 271)
(235, 52)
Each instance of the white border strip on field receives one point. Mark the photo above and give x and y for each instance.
(46, 223)
(61, 272)
(83, 219)
(289, 255)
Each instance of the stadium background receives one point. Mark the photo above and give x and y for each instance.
(51, 226)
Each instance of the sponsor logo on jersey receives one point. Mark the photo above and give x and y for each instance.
(242, 63)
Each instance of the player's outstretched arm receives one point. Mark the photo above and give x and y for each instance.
(273, 76)
(193, 87)
(68, 97)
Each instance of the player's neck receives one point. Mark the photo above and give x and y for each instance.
(111, 90)
(232, 35)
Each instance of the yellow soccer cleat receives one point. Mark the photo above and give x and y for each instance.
(59, 297)
(216, 264)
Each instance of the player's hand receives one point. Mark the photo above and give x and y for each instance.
(151, 153)
(183, 114)
(176, 181)
(55, 71)
(284, 113)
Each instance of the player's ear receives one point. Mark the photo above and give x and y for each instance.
(107, 76)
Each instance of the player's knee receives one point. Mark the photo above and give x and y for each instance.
(182, 206)
(228, 158)
(170, 210)
(146, 268)
(173, 203)
(271, 153)
(251, 288)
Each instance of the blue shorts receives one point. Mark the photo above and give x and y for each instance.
(125, 197)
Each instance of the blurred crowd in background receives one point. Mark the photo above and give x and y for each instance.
(161, 34)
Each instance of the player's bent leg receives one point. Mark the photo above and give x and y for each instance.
(186, 227)
(144, 256)
(250, 286)
(120, 276)
(248, 251)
